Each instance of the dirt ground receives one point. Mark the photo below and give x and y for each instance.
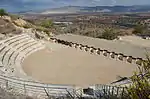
(58, 64)
(135, 40)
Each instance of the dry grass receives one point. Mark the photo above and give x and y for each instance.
(7, 27)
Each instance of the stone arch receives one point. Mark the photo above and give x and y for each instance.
(75, 45)
(120, 56)
(65, 42)
(80, 46)
(54, 40)
(70, 44)
(51, 38)
(91, 49)
(62, 42)
(86, 48)
(105, 52)
(98, 51)
(138, 61)
(129, 59)
(108, 53)
(134, 60)
(58, 40)
(94, 49)
(48, 39)
(112, 54)
(116, 55)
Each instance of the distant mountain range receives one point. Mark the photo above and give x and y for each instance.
(80, 9)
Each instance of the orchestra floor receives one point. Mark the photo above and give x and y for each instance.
(58, 64)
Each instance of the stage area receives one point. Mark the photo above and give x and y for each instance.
(58, 64)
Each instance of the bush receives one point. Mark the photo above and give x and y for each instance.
(140, 87)
(47, 23)
(138, 29)
(3, 12)
(141, 30)
(109, 34)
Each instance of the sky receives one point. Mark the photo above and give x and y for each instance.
(22, 5)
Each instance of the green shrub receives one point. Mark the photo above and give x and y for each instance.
(140, 87)
(47, 23)
(138, 29)
(3, 12)
(109, 34)
(141, 30)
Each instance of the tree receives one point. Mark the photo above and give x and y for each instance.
(140, 87)
(3, 12)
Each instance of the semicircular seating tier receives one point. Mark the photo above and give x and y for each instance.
(15, 49)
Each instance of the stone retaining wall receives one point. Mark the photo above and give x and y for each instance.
(99, 51)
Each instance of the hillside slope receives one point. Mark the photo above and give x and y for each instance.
(7, 28)
(10, 26)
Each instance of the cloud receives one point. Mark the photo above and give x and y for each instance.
(78, 2)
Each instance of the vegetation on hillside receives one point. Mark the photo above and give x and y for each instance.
(8, 28)
(109, 34)
(141, 30)
(3, 12)
(140, 87)
(46, 23)
(91, 30)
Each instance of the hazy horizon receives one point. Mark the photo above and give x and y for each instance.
(25, 5)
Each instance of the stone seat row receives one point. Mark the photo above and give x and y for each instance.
(15, 49)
